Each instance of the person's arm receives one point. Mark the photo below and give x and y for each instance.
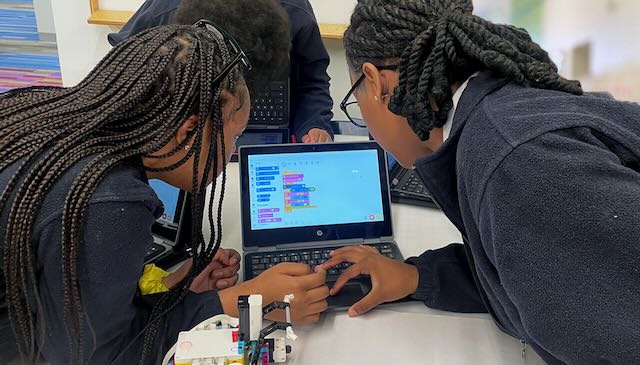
(221, 273)
(111, 261)
(440, 278)
(111, 258)
(562, 213)
(446, 282)
(313, 99)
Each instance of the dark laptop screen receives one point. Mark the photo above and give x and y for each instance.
(391, 162)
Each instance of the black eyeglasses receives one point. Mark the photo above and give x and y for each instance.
(232, 46)
(351, 108)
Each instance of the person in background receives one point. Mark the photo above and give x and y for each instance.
(541, 179)
(311, 101)
(76, 208)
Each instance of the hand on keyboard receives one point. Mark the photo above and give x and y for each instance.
(390, 279)
(309, 289)
(260, 262)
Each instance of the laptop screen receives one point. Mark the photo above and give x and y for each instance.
(314, 189)
(391, 161)
(175, 214)
(260, 136)
(303, 193)
(268, 137)
(169, 196)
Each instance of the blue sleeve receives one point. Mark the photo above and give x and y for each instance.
(116, 236)
(562, 214)
(313, 101)
(446, 282)
(149, 15)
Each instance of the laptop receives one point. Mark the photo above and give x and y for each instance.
(299, 202)
(407, 187)
(167, 229)
(259, 136)
(270, 116)
(271, 107)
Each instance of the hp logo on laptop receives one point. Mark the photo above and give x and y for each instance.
(320, 233)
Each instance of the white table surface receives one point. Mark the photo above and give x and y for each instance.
(471, 338)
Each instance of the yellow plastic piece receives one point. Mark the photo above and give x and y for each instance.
(151, 281)
(234, 360)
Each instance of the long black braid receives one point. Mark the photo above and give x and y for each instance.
(438, 43)
(131, 105)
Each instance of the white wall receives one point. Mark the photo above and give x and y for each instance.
(44, 16)
(338, 12)
(339, 73)
(333, 11)
(498, 11)
(80, 45)
(612, 28)
(132, 5)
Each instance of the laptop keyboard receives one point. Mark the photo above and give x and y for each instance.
(269, 108)
(413, 184)
(264, 261)
(154, 251)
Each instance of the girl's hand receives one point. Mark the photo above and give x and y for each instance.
(309, 289)
(391, 279)
(221, 273)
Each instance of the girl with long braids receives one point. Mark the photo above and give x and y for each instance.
(77, 210)
(541, 179)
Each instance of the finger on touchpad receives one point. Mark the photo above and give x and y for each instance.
(348, 295)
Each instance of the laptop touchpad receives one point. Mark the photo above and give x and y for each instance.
(349, 295)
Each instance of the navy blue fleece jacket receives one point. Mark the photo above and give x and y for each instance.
(116, 235)
(545, 188)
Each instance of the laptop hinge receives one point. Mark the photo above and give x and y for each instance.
(258, 249)
(371, 241)
(318, 244)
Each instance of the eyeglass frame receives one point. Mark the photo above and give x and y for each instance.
(345, 102)
(240, 55)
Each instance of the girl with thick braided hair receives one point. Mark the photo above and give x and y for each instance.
(541, 179)
(76, 208)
